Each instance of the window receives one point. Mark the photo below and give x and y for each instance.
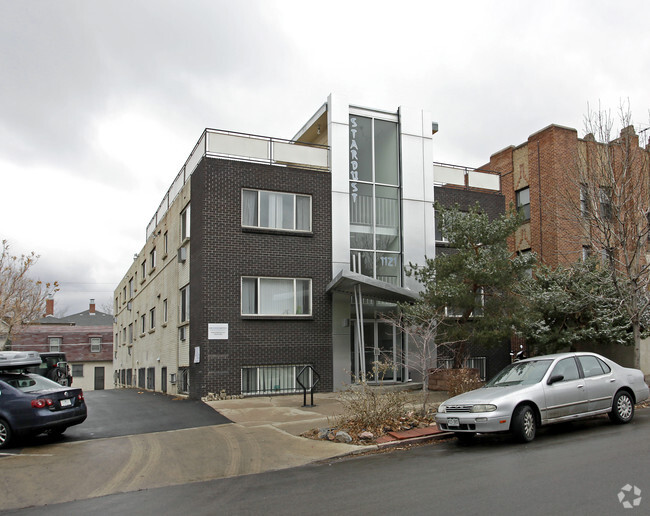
(440, 235)
(586, 252)
(523, 202)
(131, 333)
(77, 370)
(95, 344)
(276, 210)
(584, 200)
(152, 260)
(143, 269)
(55, 344)
(185, 223)
(165, 243)
(143, 323)
(275, 296)
(185, 304)
(164, 310)
(593, 366)
(152, 319)
(568, 368)
(131, 288)
(274, 379)
(124, 295)
(606, 202)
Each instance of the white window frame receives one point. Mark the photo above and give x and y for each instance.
(185, 223)
(258, 283)
(55, 344)
(295, 197)
(521, 207)
(152, 260)
(95, 344)
(165, 311)
(152, 318)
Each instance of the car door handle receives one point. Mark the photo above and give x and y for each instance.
(612, 380)
(581, 386)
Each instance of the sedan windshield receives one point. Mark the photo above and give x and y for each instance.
(520, 373)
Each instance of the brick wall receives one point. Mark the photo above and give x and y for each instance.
(222, 252)
(75, 341)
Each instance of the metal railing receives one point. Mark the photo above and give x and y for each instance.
(446, 174)
(231, 145)
(479, 363)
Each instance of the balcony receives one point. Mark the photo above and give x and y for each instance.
(243, 147)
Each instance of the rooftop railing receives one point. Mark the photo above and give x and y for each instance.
(445, 174)
(243, 147)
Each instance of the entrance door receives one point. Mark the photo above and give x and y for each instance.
(383, 352)
(99, 378)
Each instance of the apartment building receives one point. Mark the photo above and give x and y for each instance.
(269, 262)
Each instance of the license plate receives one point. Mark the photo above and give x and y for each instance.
(453, 421)
(66, 403)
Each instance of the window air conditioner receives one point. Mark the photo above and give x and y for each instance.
(129, 306)
(182, 255)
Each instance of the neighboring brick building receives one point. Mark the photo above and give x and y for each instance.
(543, 177)
(86, 338)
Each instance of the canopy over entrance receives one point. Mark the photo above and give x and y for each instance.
(359, 287)
(346, 281)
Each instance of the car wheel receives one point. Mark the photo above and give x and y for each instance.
(5, 433)
(622, 408)
(524, 425)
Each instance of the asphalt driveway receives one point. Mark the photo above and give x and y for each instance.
(120, 412)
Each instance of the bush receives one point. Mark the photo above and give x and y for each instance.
(462, 380)
(366, 408)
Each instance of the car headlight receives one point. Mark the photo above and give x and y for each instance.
(483, 408)
(442, 409)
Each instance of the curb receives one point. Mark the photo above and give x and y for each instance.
(414, 440)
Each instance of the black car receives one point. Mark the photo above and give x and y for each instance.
(31, 404)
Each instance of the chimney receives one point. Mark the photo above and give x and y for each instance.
(49, 307)
(91, 310)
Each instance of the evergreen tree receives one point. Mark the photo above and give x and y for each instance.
(474, 283)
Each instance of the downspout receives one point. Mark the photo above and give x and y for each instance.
(539, 191)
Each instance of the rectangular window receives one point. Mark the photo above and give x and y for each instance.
(274, 379)
(185, 304)
(164, 310)
(143, 323)
(586, 252)
(523, 202)
(143, 269)
(584, 200)
(276, 210)
(185, 223)
(275, 296)
(165, 243)
(55, 344)
(131, 333)
(606, 202)
(152, 260)
(152, 319)
(131, 288)
(77, 370)
(95, 344)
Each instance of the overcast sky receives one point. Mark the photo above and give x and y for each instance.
(101, 101)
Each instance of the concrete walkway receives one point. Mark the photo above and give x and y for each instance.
(263, 437)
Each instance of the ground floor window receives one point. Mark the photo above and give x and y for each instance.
(77, 370)
(276, 379)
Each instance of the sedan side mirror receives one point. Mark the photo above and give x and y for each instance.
(555, 378)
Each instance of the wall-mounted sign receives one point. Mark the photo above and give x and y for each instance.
(217, 331)
(197, 354)
(354, 159)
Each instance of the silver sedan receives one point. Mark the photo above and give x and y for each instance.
(543, 390)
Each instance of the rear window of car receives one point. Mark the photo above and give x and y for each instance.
(30, 382)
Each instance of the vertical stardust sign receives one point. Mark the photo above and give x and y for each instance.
(354, 159)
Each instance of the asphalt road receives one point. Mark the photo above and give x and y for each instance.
(575, 469)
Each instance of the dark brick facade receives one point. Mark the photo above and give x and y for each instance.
(221, 252)
(492, 203)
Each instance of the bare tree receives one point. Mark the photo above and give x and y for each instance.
(22, 299)
(419, 323)
(613, 209)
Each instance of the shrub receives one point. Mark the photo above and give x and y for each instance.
(462, 380)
